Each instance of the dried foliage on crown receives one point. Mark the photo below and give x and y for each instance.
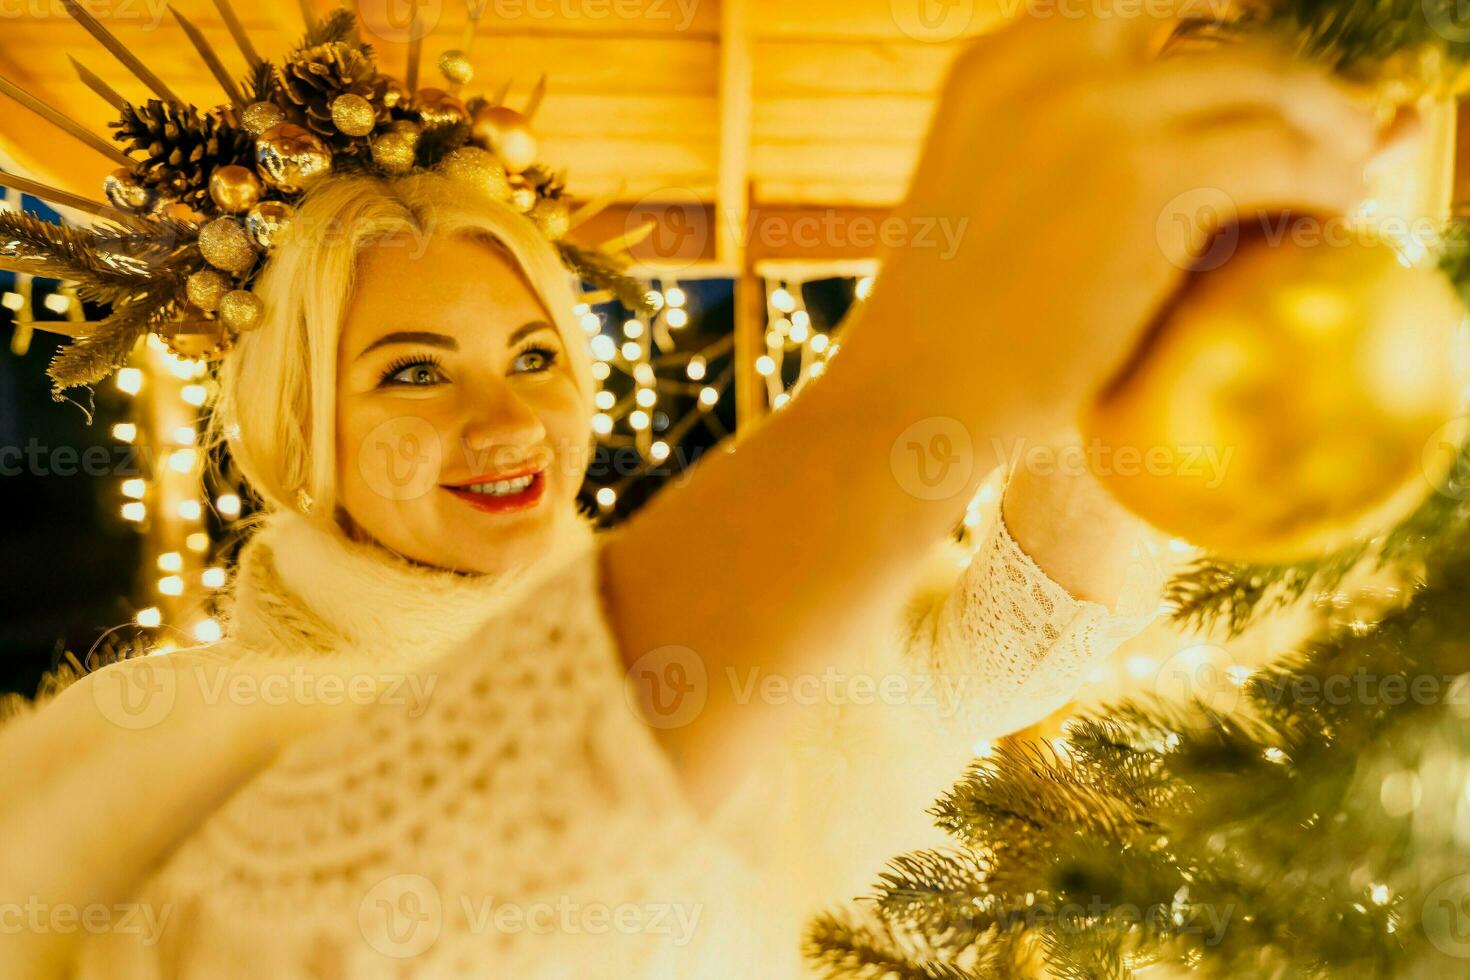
(203, 195)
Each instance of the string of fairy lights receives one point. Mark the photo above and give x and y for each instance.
(167, 499)
(643, 375)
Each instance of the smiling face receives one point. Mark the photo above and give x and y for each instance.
(462, 436)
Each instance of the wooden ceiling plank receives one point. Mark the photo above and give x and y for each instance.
(903, 67)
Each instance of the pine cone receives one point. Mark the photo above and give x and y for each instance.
(181, 147)
(312, 77)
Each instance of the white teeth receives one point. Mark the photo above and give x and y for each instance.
(503, 487)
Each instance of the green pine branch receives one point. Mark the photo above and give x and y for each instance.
(839, 946)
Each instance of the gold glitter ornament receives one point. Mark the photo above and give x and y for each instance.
(234, 188)
(455, 66)
(288, 157)
(437, 107)
(553, 217)
(507, 134)
(206, 287)
(522, 194)
(478, 168)
(268, 221)
(241, 310)
(124, 191)
(353, 115)
(258, 117)
(224, 245)
(396, 150)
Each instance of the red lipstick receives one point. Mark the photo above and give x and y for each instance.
(501, 503)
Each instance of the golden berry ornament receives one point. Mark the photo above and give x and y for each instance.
(177, 211)
(507, 134)
(1281, 409)
(522, 194)
(267, 223)
(225, 245)
(258, 117)
(234, 188)
(394, 94)
(437, 107)
(554, 218)
(353, 115)
(206, 287)
(289, 157)
(478, 168)
(241, 310)
(125, 192)
(396, 150)
(455, 66)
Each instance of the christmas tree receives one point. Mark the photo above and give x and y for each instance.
(1308, 819)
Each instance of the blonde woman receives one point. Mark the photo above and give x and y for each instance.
(452, 734)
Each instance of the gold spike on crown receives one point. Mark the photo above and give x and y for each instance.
(203, 195)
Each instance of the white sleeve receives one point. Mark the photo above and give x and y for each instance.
(1014, 645)
(984, 648)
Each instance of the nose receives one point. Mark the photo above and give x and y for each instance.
(500, 429)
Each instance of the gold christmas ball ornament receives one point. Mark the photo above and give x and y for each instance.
(289, 156)
(268, 221)
(437, 107)
(353, 115)
(207, 287)
(125, 192)
(395, 151)
(507, 134)
(225, 245)
(234, 188)
(1280, 409)
(196, 340)
(241, 310)
(554, 217)
(455, 66)
(258, 117)
(479, 168)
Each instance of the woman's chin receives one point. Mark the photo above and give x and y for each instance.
(490, 543)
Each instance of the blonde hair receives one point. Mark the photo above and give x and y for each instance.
(277, 404)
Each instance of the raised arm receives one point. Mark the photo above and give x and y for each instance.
(804, 538)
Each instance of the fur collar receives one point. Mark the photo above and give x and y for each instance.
(304, 588)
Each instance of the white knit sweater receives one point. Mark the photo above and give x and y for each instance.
(502, 809)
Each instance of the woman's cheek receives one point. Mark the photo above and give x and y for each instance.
(396, 452)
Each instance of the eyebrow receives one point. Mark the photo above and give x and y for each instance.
(444, 340)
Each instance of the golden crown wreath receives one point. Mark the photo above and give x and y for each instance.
(203, 195)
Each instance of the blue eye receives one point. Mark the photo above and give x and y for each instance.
(413, 371)
(534, 359)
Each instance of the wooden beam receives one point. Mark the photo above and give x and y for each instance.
(735, 115)
(732, 198)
